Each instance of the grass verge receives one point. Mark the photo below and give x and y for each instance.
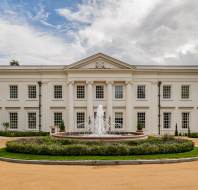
(5, 154)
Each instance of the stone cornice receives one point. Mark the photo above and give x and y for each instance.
(90, 82)
(110, 82)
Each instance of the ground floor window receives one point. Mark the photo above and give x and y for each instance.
(141, 119)
(185, 120)
(13, 120)
(32, 120)
(58, 117)
(80, 119)
(118, 120)
(167, 120)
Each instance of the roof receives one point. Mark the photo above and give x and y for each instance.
(95, 57)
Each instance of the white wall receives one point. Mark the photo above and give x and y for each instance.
(150, 105)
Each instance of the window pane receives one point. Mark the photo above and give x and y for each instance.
(118, 120)
(185, 120)
(13, 91)
(58, 92)
(99, 92)
(80, 92)
(58, 118)
(80, 119)
(185, 91)
(167, 120)
(141, 119)
(13, 120)
(32, 91)
(118, 91)
(166, 91)
(141, 92)
(32, 120)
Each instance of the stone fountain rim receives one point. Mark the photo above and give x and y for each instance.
(101, 138)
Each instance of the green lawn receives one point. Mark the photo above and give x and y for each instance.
(5, 154)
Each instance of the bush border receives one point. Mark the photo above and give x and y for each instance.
(77, 149)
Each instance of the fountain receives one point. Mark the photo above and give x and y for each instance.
(100, 130)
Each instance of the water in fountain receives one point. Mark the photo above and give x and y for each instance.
(99, 126)
(99, 129)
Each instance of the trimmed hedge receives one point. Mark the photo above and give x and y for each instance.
(22, 133)
(52, 146)
(193, 135)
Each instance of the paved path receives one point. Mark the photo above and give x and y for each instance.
(183, 176)
(137, 177)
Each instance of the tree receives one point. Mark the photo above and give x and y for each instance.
(62, 126)
(176, 130)
(189, 131)
(6, 125)
(14, 63)
(139, 126)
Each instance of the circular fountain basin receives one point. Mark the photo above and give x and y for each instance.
(104, 137)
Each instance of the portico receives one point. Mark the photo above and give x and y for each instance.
(90, 101)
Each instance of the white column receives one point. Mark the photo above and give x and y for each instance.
(109, 102)
(70, 106)
(90, 100)
(129, 126)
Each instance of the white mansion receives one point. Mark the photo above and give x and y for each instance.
(158, 97)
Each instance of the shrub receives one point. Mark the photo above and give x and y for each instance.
(22, 133)
(193, 135)
(176, 130)
(6, 125)
(53, 146)
(62, 126)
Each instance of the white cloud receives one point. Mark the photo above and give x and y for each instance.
(29, 46)
(136, 31)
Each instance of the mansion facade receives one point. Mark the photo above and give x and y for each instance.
(157, 97)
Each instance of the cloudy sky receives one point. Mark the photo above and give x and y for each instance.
(64, 31)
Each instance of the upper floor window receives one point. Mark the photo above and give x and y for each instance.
(13, 92)
(118, 92)
(13, 120)
(58, 117)
(167, 120)
(99, 91)
(58, 92)
(32, 91)
(80, 119)
(185, 120)
(166, 92)
(118, 120)
(141, 92)
(32, 120)
(185, 91)
(141, 119)
(80, 91)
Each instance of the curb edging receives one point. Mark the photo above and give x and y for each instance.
(100, 162)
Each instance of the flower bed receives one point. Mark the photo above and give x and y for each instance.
(52, 146)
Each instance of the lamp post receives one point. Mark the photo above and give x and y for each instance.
(159, 107)
(40, 84)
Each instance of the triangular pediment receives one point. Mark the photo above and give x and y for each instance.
(99, 61)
